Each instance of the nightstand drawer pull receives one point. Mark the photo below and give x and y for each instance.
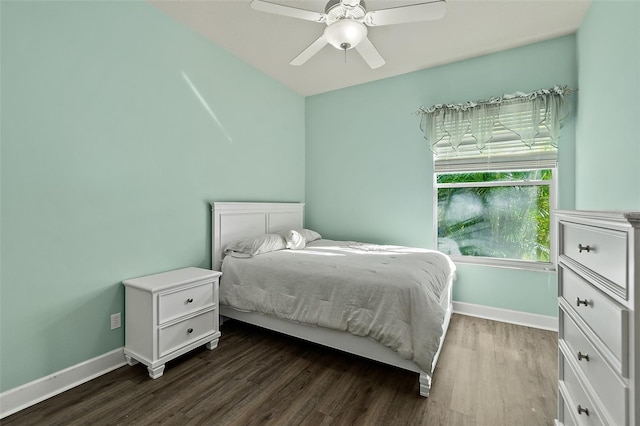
(579, 302)
(582, 356)
(189, 300)
(190, 330)
(586, 248)
(582, 410)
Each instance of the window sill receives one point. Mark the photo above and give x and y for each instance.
(504, 263)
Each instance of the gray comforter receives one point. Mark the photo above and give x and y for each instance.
(391, 294)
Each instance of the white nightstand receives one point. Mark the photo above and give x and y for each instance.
(169, 314)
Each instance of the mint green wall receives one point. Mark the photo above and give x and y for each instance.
(119, 125)
(369, 172)
(608, 127)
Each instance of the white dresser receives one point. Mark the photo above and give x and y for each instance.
(599, 331)
(169, 314)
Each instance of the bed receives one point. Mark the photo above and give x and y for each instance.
(399, 323)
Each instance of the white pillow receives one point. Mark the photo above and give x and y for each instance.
(295, 241)
(308, 234)
(249, 247)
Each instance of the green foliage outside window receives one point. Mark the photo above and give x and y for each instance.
(502, 219)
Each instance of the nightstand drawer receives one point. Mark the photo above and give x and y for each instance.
(581, 405)
(604, 381)
(173, 305)
(604, 317)
(603, 251)
(183, 333)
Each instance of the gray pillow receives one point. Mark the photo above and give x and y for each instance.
(249, 247)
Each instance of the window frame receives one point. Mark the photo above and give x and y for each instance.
(502, 262)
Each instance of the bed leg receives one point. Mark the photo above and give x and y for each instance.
(425, 384)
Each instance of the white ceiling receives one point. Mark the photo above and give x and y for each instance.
(470, 28)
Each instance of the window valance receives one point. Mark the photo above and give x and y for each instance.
(512, 122)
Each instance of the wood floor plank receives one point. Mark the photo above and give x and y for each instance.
(303, 403)
(489, 373)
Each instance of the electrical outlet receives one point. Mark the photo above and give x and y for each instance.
(115, 321)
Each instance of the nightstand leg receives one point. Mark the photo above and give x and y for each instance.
(154, 373)
(130, 360)
(212, 344)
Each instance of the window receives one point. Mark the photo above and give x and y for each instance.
(496, 217)
(495, 187)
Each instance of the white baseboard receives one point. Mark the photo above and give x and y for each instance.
(31, 393)
(506, 315)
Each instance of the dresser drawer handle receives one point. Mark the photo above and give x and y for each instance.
(583, 410)
(189, 300)
(586, 248)
(579, 302)
(582, 356)
(190, 330)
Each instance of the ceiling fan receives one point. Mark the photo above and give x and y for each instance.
(347, 22)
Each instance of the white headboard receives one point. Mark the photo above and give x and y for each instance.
(233, 221)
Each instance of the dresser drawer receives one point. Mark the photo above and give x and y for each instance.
(606, 319)
(183, 333)
(602, 379)
(566, 417)
(603, 251)
(578, 402)
(175, 304)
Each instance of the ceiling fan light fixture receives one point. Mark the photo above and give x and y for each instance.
(345, 34)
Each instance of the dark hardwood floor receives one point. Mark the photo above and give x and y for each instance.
(489, 373)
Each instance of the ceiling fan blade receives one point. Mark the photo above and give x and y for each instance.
(412, 13)
(278, 9)
(310, 51)
(367, 50)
